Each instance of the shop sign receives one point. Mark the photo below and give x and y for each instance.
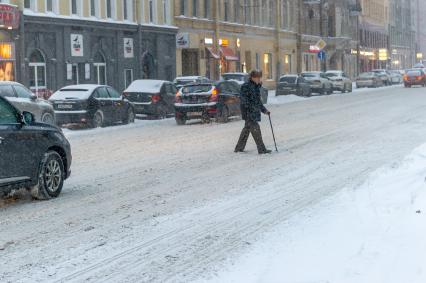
(182, 40)
(208, 40)
(223, 42)
(9, 16)
(314, 49)
(383, 54)
(77, 45)
(128, 48)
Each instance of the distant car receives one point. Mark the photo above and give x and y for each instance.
(319, 82)
(293, 84)
(152, 97)
(395, 76)
(241, 78)
(415, 77)
(340, 81)
(23, 99)
(181, 81)
(418, 66)
(384, 76)
(34, 155)
(369, 79)
(217, 100)
(93, 105)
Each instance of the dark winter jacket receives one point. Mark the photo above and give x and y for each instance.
(251, 102)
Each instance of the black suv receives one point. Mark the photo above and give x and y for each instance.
(33, 155)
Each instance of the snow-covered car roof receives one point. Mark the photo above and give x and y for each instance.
(236, 73)
(82, 91)
(148, 86)
(188, 78)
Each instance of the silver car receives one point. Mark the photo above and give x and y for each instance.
(369, 79)
(23, 99)
(340, 81)
(319, 82)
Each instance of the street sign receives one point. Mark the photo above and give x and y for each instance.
(321, 44)
(321, 55)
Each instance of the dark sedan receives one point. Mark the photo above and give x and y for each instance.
(152, 97)
(208, 101)
(414, 77)
(34, 155)
(293, 84)
(94, 105)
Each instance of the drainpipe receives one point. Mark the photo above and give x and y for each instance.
(277, 40)
(216, 36)
(299, 35)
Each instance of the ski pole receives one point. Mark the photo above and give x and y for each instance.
(273, 134)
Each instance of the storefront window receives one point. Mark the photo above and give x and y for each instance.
(267, 65)
(100, 69)
(7, 62)
(128, 77)
(37, 71)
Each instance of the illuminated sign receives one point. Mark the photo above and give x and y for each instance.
(6, 52)
(208, 40)
(9, 16)
(223, 42)
(383, 54)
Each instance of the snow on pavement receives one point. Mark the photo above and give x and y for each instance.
(374, 233)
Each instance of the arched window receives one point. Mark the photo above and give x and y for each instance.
(37, 71)
(100, 69)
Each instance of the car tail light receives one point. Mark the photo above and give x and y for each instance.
(155, 98)
(405, 78)
(419, 78)
(214, 97)
(178, 97)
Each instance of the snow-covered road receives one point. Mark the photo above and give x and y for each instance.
(154, 202)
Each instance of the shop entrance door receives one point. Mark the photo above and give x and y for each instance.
(190, 62)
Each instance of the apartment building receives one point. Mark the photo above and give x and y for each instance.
(63, 42)
(218, 36)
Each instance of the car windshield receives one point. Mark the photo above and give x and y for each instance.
(331, 75)
(235, 77)
(367, 75)
(310, 75)
(289, 80)
(197, 89)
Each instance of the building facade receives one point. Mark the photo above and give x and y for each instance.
(93, 41)
(221, 36)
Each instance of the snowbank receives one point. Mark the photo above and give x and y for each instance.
(375, 233)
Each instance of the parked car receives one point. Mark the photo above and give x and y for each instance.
(319, 82)
(395, 76)
(219, 100)
(369, 79)
(152, 97)
(94, 105)
(23, 99)
(415, 77)
(293, 84)
(34, 155)
(340, 81)
(241, 78)
(384, 76)
(181, 81)
(418, 66)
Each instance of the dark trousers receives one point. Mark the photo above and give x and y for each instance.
(252, 128)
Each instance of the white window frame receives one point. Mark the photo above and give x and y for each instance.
(79, 8)
(33, 5)
(35, 70)
(142, 16)
(125, 76)
(113, 10)
(97, 9)
(96, 67)
(55, 7)
(166, 12)
(129, 10)
(154, 18)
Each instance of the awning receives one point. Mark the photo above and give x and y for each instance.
(229, 54)
(213, 53)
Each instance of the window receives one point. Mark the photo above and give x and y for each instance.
(109, 8)
(7, 91)
(76, 8)
(22, 92)
(152, 11)
(225, 10)
(183, 7)
(94, 8)
(194, 8)
(113, 93)
(8, 115)
(101, 92)
(207, 9)
(100, 69)
(37, 67)
(30, 4)
(128, 77)
(49, 5)
(267, 65)
(166, 12)
(127, 10)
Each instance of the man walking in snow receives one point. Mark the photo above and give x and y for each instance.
(251, 109)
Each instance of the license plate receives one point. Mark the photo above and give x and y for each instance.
(64, 106)
(194, 113)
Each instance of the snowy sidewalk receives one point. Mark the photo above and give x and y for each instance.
(373, 234)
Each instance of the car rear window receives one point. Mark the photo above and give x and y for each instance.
(366, 75)
(414, 73)
(310, 75)
(290, 80)
(197, 89)
(71, 93)
(240, 78)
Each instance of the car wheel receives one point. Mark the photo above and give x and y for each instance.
(98, 120)
(180, 121)
(50, 177)
(322, 91)
(350, 88)
(330, 90)
(223, 117)
(130, 117)
(47, 118)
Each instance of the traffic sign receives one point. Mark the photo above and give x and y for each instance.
(321, 55)
(321, 44)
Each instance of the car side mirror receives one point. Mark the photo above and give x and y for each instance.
(33, 97)
(27, 118)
